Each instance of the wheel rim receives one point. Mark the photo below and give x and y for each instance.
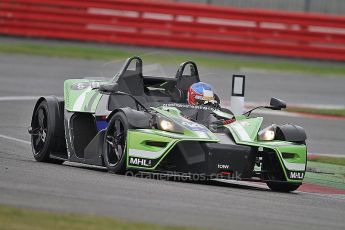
(116, 142)
(39, 130)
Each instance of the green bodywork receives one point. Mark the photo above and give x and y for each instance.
(79, 95)
(244, 131)
(251, 127)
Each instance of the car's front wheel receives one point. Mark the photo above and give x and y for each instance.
(114, 146)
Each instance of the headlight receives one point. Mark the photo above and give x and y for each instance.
(166, 124)
(267, 134)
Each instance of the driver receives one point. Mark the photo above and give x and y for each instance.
(201, 94)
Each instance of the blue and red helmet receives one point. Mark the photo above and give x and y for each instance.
(200, 93)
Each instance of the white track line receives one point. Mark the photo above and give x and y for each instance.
(326, 155)
(250, 104)
(19, 98)
(15, 139)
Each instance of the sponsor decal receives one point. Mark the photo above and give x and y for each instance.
(140, 162)
(193, 126)
(179, 105)
(80, 85)
(221, 166)
(296, 175)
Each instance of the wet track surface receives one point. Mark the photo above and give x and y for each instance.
(76, 188)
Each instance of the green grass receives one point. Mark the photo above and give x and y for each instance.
(328, 160)
(333, 112)
(332, 175)
(68, 51)
(103, 53)
(29, 219)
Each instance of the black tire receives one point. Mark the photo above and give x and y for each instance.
(42, 134)
(114, 146)
(283, 187)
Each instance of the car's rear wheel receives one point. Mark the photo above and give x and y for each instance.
(42, 134)
(283, 187)
(114, 150)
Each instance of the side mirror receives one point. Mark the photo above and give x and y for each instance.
(277, 104)
(109, 88)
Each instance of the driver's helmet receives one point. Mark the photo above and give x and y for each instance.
(200, 93)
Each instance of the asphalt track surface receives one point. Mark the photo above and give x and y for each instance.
(77, 188)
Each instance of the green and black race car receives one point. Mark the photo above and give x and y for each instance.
(142, 123)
